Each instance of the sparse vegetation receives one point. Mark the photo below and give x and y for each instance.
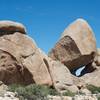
(32, 92)
(98, 98)
(40, 92)
(93, 89)
(69, 93)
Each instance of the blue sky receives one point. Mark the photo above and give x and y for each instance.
(45, 20)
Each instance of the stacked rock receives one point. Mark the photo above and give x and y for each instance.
(22, 62)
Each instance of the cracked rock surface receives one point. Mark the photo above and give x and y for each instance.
(20, 59)
(76, 47)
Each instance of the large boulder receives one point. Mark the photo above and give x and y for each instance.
(76, 47)
(62, 78)
(21, 61)
(60, 74)
(91, 78)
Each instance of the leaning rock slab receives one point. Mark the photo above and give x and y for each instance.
(76, 47)
(60, 74)
(62, 78)
(38, 68)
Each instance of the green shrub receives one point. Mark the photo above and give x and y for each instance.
(69, 93)
(32, 92)
(98, 98)
(13, 87)
(93, 89)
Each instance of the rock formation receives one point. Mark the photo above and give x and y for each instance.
(76, 47)
(22, 62)
(20, 59)
(93, 77)
(61, 76)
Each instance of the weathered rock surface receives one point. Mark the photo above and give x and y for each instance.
(76, 47)
(3, 88)
(93, 68)
(92, 78)
(85, 91)
(85, 97)
(9, 96)
(59, 98)
(77, 97)
(61, 76)
(10, 70)
(21, 61)
(97, 61)
(35, 64)
(5, 94)
(9, 27)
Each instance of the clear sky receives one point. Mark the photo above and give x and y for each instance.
(45, 20)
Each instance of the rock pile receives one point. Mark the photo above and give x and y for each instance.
(77, 97)
(20, 59)
(5, 94)
(22, 62)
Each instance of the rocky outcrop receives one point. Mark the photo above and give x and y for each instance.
(61, 76)
(20, 59)
(76, 47)
(93, 76)
(22, 62)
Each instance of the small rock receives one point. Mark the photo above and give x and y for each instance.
(10, 27)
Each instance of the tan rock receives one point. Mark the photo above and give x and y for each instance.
(92, 78)
(38, 69)
(9, 27)
(98, 51)
(59, 98)
(10, 70)
(61, 76)
(77, 46)
(21, 61)
(97, 61)
(85, 91)
(85, 97)
(3, 88)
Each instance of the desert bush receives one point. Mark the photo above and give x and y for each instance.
(93, 89)
(98, 98)
(32, 92)
(69, 93)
